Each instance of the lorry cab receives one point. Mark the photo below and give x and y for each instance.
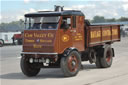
(53, 32)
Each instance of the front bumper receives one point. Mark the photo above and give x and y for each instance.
(39, 55)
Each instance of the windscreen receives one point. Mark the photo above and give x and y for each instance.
(50, 19)
(41, 22)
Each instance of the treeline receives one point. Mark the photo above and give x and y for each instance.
(19, 25)
(101, 19)
(12, 26)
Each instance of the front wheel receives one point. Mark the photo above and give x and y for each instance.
(29, 69)
(71, 64)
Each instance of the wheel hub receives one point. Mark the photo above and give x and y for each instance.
(108, 56)
(72, 63)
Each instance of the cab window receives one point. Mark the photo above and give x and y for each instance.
(45, 23)
(74, 21)
(66, 22)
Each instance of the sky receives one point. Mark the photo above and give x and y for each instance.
(13, 10)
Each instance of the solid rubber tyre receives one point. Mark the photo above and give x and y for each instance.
(71, 64)
(106, 60)
(98, 62)
(100, 52)
(27, 68)
(105, 57)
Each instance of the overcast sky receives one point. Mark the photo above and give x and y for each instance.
(12, 10)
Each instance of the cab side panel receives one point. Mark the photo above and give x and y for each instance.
(78, 33)
(65, 40)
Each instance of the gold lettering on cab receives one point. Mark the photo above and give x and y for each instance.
(78, 37)
(39, 35)
(29, 41)
(47, 41)
(50, 35)
(37, 46)
(28, 35)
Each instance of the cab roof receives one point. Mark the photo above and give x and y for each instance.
(55, 13)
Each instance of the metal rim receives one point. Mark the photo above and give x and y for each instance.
(72, 63)
(108, 56)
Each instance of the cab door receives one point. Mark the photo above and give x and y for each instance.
(77, 32)
(65, 34)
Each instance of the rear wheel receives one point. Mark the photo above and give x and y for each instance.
(29, 69)
(105, 57)
(98, 62)
(71, 64)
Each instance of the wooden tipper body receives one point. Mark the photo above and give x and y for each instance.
(101, 34)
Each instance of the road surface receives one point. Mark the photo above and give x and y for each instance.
(117, 74)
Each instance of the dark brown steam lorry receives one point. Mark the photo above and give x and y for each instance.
(63, 39)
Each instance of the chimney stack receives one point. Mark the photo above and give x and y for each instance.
(58, 8)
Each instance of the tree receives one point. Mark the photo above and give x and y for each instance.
(111, 20)
(12, 26)
(98, 19)
(123, 19)
(101, 19)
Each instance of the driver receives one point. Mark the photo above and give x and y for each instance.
(36, 24)
(64, 24)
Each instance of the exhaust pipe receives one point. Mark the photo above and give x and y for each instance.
(58, 8)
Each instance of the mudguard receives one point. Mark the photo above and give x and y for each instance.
(68, 50)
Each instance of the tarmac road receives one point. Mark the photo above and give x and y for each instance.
(117, 74)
